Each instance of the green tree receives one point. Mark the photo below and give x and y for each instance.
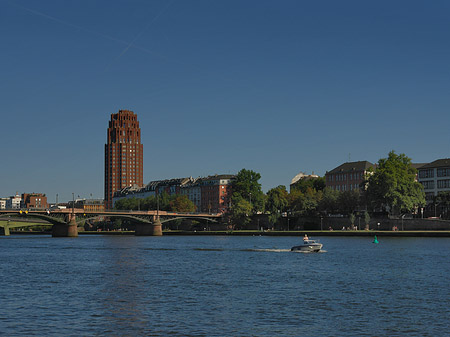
(366, 219)
(240, 211)
(348, 201)
(181, 203)
(277, 202)
(393, 186)
(246, 186)
(329, 201)
(317, 184)
(352, 218)
(303, 204)
(126, 204)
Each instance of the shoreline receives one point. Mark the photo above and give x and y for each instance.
(268, 233)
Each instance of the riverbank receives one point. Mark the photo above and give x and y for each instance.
(268, 233)
(318, 233)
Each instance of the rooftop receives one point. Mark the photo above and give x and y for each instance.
(437, 163)
(353, 166)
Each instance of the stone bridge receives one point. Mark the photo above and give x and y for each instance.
(65, 224)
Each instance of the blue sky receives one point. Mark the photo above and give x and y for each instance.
(278, 87)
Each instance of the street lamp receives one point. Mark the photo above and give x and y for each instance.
(157, 205)
(73, 205)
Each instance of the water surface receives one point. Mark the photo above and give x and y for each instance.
(223, 286)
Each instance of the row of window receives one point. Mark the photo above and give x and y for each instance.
(350, 187)
(344, 176)
(429, 185)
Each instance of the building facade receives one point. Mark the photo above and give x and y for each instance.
(348, 176)
(34, 200)
(301, 176)
(193, 191)
(216, 193)
(170, 186)
(435, 178)
(209, 195)
(14, 202)
(123, 154)
(88, 205)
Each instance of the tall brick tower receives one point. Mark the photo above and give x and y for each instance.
(123, 154)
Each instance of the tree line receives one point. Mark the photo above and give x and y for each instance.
(163, 202)
(390, 189)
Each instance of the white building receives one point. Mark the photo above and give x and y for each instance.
(193, 191)
(435, 177)
(13, 202)
(3, 203)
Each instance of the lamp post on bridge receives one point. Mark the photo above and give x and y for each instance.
(73, 205)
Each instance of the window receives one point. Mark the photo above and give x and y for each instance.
(443, 183)
(428, 185)
(428, 173)
(443, 172)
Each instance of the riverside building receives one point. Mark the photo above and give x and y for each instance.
(435, 177)
(348, 176)
(210, 194)
(123, 154)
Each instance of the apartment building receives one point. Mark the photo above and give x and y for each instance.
(34, 200)
(209, 194)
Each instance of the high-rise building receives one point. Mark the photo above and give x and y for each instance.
(123, 154)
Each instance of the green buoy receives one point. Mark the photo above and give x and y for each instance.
(375, 240)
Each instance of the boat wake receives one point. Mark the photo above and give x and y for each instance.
(273, 250)
(259, 250)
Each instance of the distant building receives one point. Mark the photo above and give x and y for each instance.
(216, 193)
(34, 200)
(123, 154)
(435, 177)
(93, 205)
(209, 194)
(169, 186)
(14, 202)
(301, 176)
(193, 191)
(3, 203)
(348, 176)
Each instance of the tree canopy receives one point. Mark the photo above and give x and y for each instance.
(317, 184)
(246, 186)
(277, 202)
(393, 186)
(173, 203)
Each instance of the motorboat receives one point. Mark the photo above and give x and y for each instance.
(308, 246)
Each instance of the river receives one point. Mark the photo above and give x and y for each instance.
(223, 286)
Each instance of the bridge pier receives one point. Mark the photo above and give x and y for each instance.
(6, 230)
(154, 229)
(65, 230)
